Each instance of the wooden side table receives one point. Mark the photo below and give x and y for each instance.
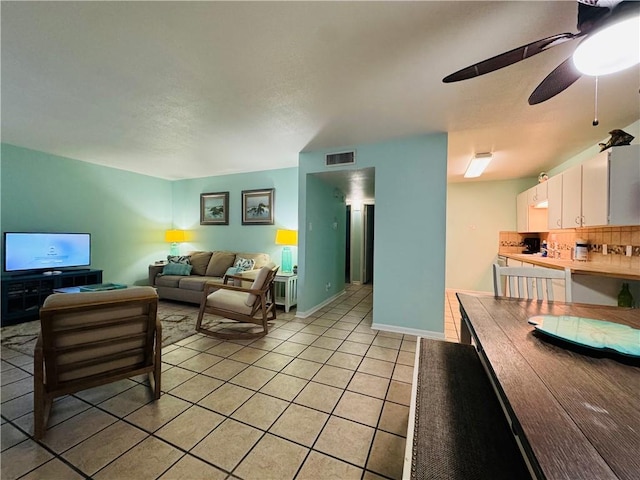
(286, 289)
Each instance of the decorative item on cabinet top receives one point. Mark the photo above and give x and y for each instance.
(618, 138)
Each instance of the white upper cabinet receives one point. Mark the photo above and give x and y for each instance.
(528, 217)
(537, 194)
(595, 191)
(624, 186)
(604, 190)
(554, 197)
(572, 197)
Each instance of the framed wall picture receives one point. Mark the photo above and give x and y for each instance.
(258, 206)
(214, 208)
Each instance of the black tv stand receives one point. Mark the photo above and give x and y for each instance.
(23, 294)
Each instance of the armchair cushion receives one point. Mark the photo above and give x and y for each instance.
(257, 285)
(229, 300)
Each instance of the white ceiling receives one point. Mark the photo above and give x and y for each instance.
(192, 89)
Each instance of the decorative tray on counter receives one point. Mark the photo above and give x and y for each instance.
(593, 334)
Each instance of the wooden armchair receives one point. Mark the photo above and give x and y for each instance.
(252, 306)
(90, 339)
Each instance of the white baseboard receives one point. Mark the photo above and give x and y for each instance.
(308, 313)
(409, 331)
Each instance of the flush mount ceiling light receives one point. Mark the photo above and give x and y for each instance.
(611, 49)
(477, 165)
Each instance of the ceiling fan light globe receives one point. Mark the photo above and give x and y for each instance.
(612, 49)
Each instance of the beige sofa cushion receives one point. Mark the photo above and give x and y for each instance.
(171, 281)
(200, 262)
(219, 263)
(198, 283)
(261, 259)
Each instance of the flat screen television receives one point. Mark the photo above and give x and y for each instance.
(31, 251)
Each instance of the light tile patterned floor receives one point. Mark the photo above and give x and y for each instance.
(321, 397)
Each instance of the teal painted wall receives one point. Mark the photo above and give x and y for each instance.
(410, 223)
(126, 213)
(324, 240)
(235, 236)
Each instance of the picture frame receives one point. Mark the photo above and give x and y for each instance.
(258, 207)
(214, 208)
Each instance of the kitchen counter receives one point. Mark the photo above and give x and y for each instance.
(580, 268)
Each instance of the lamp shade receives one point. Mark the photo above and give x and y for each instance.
(174, 236)
(286, 237)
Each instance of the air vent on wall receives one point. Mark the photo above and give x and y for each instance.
(342, 158)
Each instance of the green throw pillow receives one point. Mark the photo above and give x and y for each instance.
(176, 269)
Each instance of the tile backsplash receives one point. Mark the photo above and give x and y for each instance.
(562, 242)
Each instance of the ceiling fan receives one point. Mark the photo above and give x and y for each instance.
(594, 18)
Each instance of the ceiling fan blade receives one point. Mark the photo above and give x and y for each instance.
(561, 78)
(510, 57)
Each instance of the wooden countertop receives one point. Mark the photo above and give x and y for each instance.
(580, 268)
(576, 412)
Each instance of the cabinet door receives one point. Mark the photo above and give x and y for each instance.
(542, 192)
(532, 196)
(554, 197)
(595, 191)
(537, 194)
(624, 185)
(572, 197)
(522, 212)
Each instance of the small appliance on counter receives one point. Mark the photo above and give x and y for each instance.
(531, 246)
(581, 252)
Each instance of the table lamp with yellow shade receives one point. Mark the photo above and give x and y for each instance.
(174, 237)
(287, 238)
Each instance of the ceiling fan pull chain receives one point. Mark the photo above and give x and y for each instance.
(595, 113)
